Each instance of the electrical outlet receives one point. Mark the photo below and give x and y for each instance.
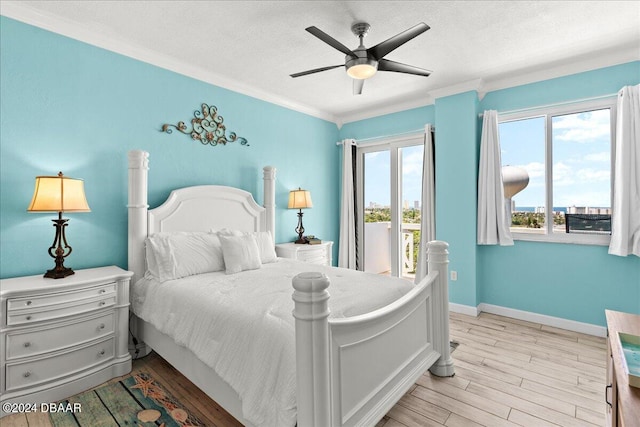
(454, 275)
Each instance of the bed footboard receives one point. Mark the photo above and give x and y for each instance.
(352, 371)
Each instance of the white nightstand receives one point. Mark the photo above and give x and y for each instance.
(315, 254)
(62, 336)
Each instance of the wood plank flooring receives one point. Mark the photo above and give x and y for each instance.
(508, 373)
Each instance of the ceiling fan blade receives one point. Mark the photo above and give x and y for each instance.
(357, 86)
(386, 65)
(381, 49)
(316, 70)
(330, 41)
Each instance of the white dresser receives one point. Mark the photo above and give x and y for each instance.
(315, 254)
(62, 336)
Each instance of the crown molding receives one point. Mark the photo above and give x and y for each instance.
(468, 86)
(401, 104)
(593, 61)
(390, 106)
(55, 24)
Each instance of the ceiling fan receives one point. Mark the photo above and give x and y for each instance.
(363, 63)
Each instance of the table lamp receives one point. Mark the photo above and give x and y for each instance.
(59, 194)
(300, 199)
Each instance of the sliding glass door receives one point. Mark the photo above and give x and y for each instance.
(389, 189)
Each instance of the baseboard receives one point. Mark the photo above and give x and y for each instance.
(464, 309)
(557, 322)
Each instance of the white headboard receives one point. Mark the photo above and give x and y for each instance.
(197, 208)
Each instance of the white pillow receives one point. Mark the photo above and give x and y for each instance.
(184, 254)
(266, 248)
(229, 232)
(152, 264)
(240, 253)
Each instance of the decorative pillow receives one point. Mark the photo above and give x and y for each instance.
(184, 254)
(266, 248)
(240, 253)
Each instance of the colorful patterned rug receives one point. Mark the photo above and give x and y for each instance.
(137, 401)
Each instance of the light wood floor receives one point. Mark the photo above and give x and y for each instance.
(508, 373)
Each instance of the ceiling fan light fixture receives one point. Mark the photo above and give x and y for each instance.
(361, 71)
(361, 67)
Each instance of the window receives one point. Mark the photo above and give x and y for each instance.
(567, 154)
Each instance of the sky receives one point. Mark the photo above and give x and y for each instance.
(581, 158)
(378, 176)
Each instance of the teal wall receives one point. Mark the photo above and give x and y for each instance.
(71, 107)
(576, 282)
(456, 194)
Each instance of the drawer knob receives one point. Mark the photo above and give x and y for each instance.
(27, 344)
(101, 353)
(102, 303)
(26, 374)
(28, 302)
(101, 326)
(28, 317)
(103, 291)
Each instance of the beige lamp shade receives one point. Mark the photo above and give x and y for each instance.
(58, 194)
(300, 199)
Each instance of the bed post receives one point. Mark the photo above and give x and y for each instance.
(137, 206)
(438, 260)
(269, 173)
(311, 311)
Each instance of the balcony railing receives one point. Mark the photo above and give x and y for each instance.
(378, 248)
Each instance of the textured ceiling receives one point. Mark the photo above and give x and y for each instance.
(253, 46)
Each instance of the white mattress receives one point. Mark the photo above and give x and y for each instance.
(241, 325)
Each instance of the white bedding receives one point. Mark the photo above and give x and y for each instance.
(241, 325)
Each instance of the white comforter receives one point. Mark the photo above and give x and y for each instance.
(241, 325)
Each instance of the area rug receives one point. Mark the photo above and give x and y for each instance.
(137, 400)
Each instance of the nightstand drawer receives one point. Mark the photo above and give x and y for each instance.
(59, 336)
(314, 254)
(38, 371)
(313, 257)
(44, 300)
(18, 317)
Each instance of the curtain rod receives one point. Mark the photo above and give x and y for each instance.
(410, 132)
(558, 104)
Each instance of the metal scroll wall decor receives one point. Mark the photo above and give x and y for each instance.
(207, 127)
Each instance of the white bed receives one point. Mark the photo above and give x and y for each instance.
(348, 370)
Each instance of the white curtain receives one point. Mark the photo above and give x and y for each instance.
(427, 216)
(625, 220)
(347, 246)
(493, 221)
